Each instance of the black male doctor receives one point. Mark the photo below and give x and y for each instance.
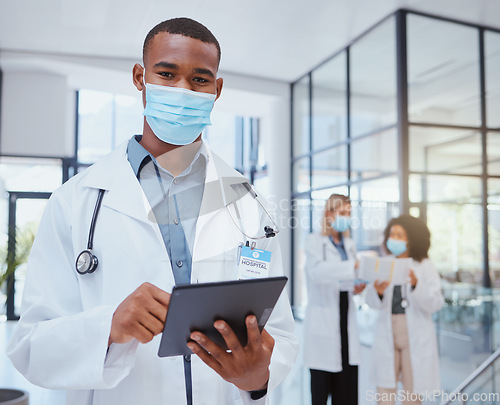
(172, 212)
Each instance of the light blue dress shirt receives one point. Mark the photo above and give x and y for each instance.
(175, 202)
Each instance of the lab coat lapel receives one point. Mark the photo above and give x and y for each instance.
(125, 193)
(218, 193)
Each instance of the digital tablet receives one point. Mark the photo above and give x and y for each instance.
(195, 307)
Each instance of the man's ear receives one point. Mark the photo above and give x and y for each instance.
(137, 76)
(218, 83)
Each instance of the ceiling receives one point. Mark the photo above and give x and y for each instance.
(274, 39)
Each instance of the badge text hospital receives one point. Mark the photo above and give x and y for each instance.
(254, 263)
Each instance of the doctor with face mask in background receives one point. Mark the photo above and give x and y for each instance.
(405, 345)
(162, 210)
(331, 342)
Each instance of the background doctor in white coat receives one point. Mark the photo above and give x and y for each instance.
(405, 345)
(331, 342)
(97, 335)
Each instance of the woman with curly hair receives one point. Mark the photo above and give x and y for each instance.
(405, 345)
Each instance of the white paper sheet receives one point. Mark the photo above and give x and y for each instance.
(396, 271)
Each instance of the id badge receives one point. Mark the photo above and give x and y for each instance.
(253, 263)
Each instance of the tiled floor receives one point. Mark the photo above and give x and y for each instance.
(293, 391)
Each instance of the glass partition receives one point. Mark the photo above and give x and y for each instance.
(301, 228)
(374, 155)
(329, 103)
(452, 207)
(466, 327)
(301, 117)
(434, 161)
(494, 232)
(493, 151)
(301, 175)
(30, 174)
(104, 121)
(329, 168)
(443, 72)
(445, 150)
(373, 79)
(492, 66)
(374, 203)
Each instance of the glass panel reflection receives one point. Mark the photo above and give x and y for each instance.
(104, 121)
(492, 63)
(30, 174)
(301, 177)
(373, 80)
(445, 150)
(374, 203)
(454, 218)
(329, 167)
(466, 327)
(374, 155)
(443, 72)
(494, 230)
(493, 152)
(301, 228)
(301, 117)
(329, 104)
(28, 215)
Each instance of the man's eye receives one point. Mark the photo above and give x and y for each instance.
(166, 74)
(200, 80)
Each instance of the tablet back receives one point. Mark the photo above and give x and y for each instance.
(195, 307)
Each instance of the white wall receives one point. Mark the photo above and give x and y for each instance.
(36, 115)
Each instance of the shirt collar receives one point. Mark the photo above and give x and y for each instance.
(341, 242)
(138, 156)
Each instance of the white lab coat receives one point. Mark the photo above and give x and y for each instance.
(425, 299)
(322, 345)
(61, 339)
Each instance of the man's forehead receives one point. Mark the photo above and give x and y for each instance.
(164, 43)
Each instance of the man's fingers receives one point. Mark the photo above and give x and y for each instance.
(229, 336)
(158, 294)
(253, 331)
(152, 323)
(212, 348)
(209, 360)
(267, 340)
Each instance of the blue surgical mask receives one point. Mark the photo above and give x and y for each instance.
(341, 223)
(395, 246)
(177, 115)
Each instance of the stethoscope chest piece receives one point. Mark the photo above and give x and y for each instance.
(86, 262)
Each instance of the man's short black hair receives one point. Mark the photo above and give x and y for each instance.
(182, 26)
(419, 237)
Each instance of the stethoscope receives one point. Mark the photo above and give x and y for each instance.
(404, 294)
(86, 262)
(269, 232)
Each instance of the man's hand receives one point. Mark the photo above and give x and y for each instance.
(246, 367)
(141, 315)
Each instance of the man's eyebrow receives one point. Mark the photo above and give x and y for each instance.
(167, 65)
(202, 71)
